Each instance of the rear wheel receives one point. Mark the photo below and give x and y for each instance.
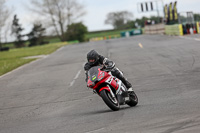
(111, 102)
(133, 99)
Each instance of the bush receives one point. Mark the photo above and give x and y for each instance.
(76, 31)
(36, 35)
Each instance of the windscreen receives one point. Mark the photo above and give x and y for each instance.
(93, 73)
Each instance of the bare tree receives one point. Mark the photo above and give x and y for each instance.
(118, 19)
(4, 15)
(60, 13)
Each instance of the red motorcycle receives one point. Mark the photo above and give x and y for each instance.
(113, 92)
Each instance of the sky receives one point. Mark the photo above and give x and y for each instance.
(98, 9)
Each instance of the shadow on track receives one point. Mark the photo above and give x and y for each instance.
(123, 108)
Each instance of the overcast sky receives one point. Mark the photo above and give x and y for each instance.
(98, 9)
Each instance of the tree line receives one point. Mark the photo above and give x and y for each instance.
(75, 31)
(61, 16)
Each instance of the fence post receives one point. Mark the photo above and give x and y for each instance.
(197, 27)
(180, 29)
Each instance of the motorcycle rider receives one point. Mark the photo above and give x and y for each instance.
(94, 59)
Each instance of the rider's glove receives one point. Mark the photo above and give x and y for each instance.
(108, 64)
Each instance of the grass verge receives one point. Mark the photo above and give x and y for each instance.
(14, 58)
(105, 33)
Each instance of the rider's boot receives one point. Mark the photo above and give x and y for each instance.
(116, 72)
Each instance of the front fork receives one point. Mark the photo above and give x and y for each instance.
(108, 89)
(111, 92)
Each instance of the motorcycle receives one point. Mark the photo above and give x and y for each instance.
(113, 92)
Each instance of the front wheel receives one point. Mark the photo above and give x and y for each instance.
(111, 102)
(133, 99)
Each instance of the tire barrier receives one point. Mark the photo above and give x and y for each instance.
(176, 29)
(154, 29)
(104, 38)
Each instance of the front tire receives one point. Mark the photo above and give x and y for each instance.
(112, 103)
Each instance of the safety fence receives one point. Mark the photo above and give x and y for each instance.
(105, 37)
(176, 29)
(128, 33)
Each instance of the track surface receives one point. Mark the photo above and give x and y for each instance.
(50, 95)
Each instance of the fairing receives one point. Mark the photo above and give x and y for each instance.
(97, 77)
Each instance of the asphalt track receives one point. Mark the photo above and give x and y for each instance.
(50, 95)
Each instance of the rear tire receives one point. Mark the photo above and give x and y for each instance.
(133, 99)
(112, 103)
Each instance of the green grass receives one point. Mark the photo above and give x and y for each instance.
(14, 58)
(10, 45)
(52, 39)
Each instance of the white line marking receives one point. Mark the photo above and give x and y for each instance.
(189, 38)
(97, 130)
(184, 37)
(73, 81)
(77, 75)
(181, 36)
(59, 49)
(141, 46)
(35, 57)
(46, 56)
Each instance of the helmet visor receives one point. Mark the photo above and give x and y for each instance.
(91, 60)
